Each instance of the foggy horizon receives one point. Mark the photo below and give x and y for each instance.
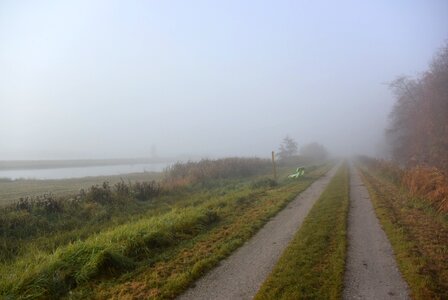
(94, 80)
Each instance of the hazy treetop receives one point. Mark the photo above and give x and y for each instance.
(84, 79)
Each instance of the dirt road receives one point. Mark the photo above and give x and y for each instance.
(371, 270)
(241, 275)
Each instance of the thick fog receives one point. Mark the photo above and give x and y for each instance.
(107, 79)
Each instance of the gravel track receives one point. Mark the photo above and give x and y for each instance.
(242, 273)
(371, 270)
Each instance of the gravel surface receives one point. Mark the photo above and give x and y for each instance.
(371, 270)
(241, 274)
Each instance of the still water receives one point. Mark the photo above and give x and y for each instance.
(78, 172)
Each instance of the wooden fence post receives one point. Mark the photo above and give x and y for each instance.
(274, 167)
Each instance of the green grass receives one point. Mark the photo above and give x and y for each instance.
(101, 258)
(171, 273)
(312, 266)
(104, 254)
(418, 234)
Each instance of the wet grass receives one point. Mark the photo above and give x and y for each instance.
(312, 266)
(104, 254)
(167, 275)
(417, 232)
(182, 232)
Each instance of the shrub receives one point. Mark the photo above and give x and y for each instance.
(144, 191)
(122, 189)
(181, 174)
(100, 193)
(47, 203)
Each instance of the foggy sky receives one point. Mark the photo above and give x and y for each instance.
(105, 79)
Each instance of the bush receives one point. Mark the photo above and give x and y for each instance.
(47, 203)
(144, 191)
(122, 189)
(181, 174)
(101, 194)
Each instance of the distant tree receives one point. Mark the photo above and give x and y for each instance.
(314, 151)
(288, 148)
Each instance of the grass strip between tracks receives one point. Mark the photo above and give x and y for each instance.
(312, 266)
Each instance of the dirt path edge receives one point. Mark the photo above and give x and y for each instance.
(241, 274)
(371, 270)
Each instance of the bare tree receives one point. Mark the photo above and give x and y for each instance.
(288, 148)
(418, 128)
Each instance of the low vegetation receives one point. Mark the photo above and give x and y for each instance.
(11, 190)
(312, 266)
(45, 222)
(108, 253)
(128, 238)
(415, 223)
(427, 183)
(204, 171)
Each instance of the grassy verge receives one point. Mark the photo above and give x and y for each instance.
(108, 253)
(418, 234)
(167, 275)
(312, 266)
(162, 251)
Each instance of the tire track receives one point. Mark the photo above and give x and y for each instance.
(371, 271)
(241, 274)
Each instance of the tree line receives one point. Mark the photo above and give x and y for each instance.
(418, 129)
(314, 151)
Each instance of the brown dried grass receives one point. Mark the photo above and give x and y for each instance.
(183, 174)
(428, 183)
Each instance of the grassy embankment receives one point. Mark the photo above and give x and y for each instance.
(132, 248)
(417, 230)
(312, 266)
